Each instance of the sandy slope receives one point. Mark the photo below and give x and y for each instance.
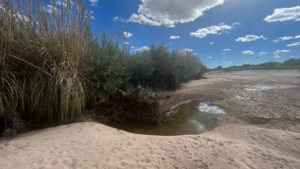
(255, 135)
(92, 145)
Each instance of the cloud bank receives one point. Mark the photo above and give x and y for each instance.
(170, 12)
(284, 14)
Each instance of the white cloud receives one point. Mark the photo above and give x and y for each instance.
(126, 43)
(285, 51)
(213, 30)
(18, 16)
(186, 50)
(277, 52)
(209, 57)
(144, 48)
(276, 56)
(127, 34)
(64, 3)
(211, 43)
(170, 12)
(94, 2)
(248, 52)
(281, 51)
(294, 44)
(284, 38)
(226, 50)
(262, 53)
(174, 37)
(117, 18)
(50, 9)
(91, 13)
(249, 38)
(284, 14)
(141, 19)
(61, 3)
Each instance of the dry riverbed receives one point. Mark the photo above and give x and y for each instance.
(261, 129)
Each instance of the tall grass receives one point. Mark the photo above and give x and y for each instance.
(41, 47)
(51, 64)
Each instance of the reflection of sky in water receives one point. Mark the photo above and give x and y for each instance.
(192, 118)
(198, 126)
(208, 107)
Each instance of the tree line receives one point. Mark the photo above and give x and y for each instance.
(288, 64)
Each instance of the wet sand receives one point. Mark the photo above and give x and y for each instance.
(260, 130)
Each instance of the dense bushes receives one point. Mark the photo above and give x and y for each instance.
(111, 68)
(51, 65)
(106, 67)
(160, 68)
(40, 60)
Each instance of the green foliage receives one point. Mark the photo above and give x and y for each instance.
(106, 62)
(289, 64)
(9, 95)
(110, 68)
(51, 65)
(163, 69)
(141, 68)
(42, 51)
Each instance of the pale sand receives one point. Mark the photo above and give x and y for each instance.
(92, 145)
(233, 144)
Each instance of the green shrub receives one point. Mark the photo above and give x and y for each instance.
(106, 61)
(163, 69)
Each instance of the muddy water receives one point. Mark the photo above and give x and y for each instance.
(192, 118)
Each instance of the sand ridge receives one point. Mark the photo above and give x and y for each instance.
(93, 145)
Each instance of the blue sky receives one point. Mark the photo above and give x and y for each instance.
(220, 32)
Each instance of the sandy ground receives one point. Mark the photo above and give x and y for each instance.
(260, 130)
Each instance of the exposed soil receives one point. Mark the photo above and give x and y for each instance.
(268, 99)
(261, 129)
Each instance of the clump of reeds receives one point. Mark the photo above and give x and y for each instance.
(41, 47)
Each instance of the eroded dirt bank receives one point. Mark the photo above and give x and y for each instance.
(261, 130)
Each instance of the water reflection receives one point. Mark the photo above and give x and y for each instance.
(192, 118)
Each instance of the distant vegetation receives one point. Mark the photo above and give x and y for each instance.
(289, 64)
(52, 67)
